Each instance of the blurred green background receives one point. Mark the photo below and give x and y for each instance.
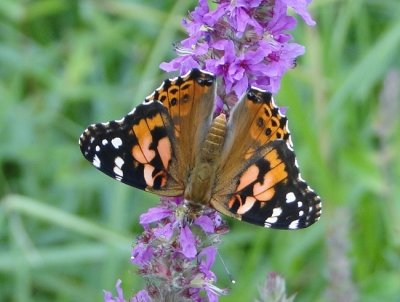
(66, 230)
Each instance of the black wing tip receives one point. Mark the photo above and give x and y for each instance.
(202, 77)
(259, 96)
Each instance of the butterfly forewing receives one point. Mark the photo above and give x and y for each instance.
(137, 150)
(189, 100)
(155, 145)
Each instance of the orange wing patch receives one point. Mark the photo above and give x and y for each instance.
(181, 95)
(268, 124)
(151, 149)
(264, 191)
(257, 182)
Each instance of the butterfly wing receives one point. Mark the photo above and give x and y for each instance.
(267, 189)
(153, 146)
(189, 100)
(136, 150)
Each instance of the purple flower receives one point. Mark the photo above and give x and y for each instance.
(176, 254)
(300, 7)
(154, 214)
(120, 298)
(142, 296)
(245, 42)
(188, 242)
(206, 223)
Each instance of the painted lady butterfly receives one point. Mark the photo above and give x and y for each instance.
(171, 145)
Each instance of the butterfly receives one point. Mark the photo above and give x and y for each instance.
(172, 145)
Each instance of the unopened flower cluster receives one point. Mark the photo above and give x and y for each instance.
(246, 42)
(175, 256)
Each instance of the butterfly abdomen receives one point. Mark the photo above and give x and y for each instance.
(214, 141)
(202, 177)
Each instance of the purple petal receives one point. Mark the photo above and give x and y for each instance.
(212, 297)
(141, 296)
(241, 85)
(283, 110)
(119, 290)
(188, 242)
(108, 296)
(165, 231)
(141, 254)
(154, 214)
(205, 223)
(207, 256)
(300, 7)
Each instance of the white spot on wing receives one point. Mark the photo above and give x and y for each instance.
(258, 89)
(119, 162)
(290, 140)
(96, 162)
(118, 171)
(294, 224)
(104, 142)
(148, 103)
(92, 139)
(116, 142)
(97, 148)
(301, 213)
(299, 204)
(206, 72)
(270, 220)
(290, 197)
(276, 212)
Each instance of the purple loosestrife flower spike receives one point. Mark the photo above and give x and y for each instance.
(245, 42)
(175, 256)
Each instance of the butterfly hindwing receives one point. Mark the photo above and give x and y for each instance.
(264, 186)
(271, 193)
(136, 150)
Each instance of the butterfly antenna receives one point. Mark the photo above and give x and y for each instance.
(230, 276)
